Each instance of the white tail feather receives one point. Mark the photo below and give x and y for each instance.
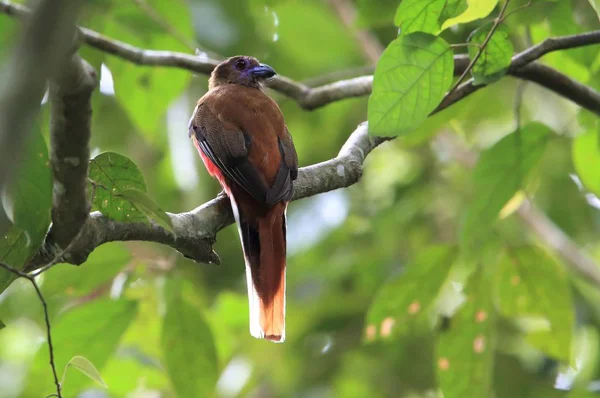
(253, 299)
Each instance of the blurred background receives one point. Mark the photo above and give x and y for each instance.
(344, 246)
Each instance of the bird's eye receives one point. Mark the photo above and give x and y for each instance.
(240, 64)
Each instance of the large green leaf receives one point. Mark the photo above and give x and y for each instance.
(499, 174)
(586, 159)
(410, 80)
(495, 58)
(407, 300)
(114, 173)
(465, 351)
(146, 92)
(28, 200)
(188, 349)
(100, 268)
(92, 330)
(419, 15)
(476, 9)
(534, 288)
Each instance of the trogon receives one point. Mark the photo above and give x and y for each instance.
(242, 138)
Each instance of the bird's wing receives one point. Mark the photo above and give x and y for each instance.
(227, 147)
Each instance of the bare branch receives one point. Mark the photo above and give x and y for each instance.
(195, 230)
(70, 131)
(313, 97)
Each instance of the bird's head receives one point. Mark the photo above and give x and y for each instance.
(243, 70)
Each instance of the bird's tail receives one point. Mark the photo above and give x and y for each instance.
(264, 245)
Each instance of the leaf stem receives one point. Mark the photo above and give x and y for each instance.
(497, 22)
(31, 279)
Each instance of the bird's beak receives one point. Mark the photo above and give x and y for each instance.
(263, 71)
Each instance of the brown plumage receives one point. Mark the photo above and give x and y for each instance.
(242, 138)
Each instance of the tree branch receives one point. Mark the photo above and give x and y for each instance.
(70, 131)
(314, 97)
(195, 230)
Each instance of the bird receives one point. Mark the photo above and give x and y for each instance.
(241, 136)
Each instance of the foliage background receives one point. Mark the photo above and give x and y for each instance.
(156, 324)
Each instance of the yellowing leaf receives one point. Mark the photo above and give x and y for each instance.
(476, 9)
(86, 367)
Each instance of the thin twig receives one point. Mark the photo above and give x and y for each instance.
(519, 8)
(487, 39)
(31, 279)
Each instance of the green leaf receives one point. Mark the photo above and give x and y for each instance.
(28, 200)
(409, 299)
(188, 349)
(476, 9)
(148, 207)
(410, 80)
(419, 15)
(596, 6)
(586, 159)
(500, 172)
(2, 325)
(102, 265)
(146, 92)
(452, 9)
(113, 174)
(15, 249)
(495, 58)
(92, 330)
(86, 367)
(465, 352)
(532, 286)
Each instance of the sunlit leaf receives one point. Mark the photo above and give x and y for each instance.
(586, 159)
(188, 349)
(114, 173)
(452, 9)
(465, 351)
(28, 200)
(419, 15)
(476, 9)
(499, 174)
(148, 207)
(92, 330)
(84, 366)
(531, 285)
(409, 298)
(495, 58)
(410, 80)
